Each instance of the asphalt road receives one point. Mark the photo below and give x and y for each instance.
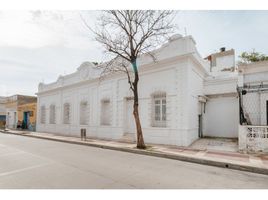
(36, 163)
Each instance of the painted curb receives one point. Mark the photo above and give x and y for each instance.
(158, 154)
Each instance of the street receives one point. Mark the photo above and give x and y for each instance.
(35, 163)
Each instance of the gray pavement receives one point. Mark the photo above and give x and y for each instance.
(35, 163)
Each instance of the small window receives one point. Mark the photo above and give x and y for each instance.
(84, 113)
(43, 115)
(66, 113)
(52, 114)
(159, 117)
(105, 112)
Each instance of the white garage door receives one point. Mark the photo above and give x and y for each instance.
(221, 117)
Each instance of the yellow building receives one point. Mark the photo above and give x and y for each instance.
(20, 111)
(2, 113)
(27, 113)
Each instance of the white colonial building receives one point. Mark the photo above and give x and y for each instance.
(182, 97)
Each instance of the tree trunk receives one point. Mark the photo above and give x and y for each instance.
(140, 141)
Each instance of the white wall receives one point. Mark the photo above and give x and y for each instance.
(221, 117)
(224, 62)
(171, 78)
(256, 78)
(221, 85)
(11, 118)
(195, 81)
(252, 139)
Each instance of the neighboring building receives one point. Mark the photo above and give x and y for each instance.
(2, 113)
(18, 110)
(27, 113)
(253, 93)
(222, 61)
(253, 79)
(181, 99)
(11, 111)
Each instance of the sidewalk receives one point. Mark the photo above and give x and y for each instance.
(219, 158)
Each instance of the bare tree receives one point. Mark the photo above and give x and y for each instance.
(126, 35)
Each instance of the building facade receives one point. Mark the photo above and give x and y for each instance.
(180, 98)
(220, 89)
(27, 115)
(18, 111)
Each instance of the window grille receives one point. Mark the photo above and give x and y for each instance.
(105, 112)
(66, 113)
(43, 115)
(84, 113)
(52, 114)
(159, 116)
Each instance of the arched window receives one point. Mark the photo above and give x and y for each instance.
(105, 112)
(84, 113)
(159, 115)
(52, 114)
(66, 113)
(43, 115)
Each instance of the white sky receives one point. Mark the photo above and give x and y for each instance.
(38, 46)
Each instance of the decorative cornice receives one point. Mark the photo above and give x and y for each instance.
(166, 52)
(144, 69)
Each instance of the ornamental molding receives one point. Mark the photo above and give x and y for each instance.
(85, 70)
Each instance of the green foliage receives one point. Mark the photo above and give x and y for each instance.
(249, 57)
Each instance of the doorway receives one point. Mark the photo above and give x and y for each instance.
(221, 118)
(26, 119)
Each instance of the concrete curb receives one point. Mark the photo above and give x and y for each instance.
(158, 154)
